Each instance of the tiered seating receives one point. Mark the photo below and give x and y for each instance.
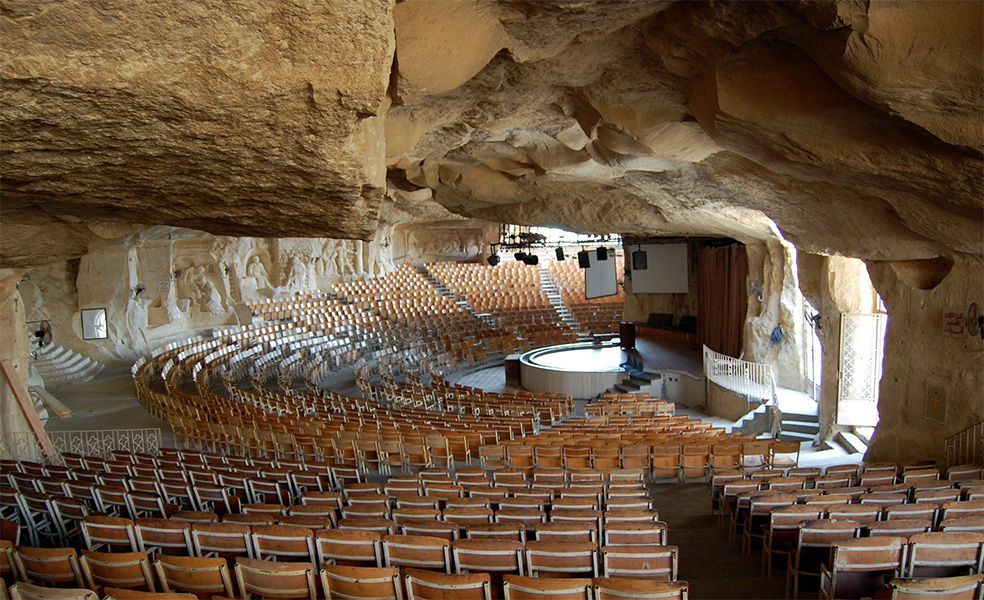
(597, 315)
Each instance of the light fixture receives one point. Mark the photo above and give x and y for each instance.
(640, 260)
(602, 253)
(583, 259)
(531, 259)
(493, 260)
(520, 256)
(560, 253)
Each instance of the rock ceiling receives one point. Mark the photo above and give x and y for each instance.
(857, 128)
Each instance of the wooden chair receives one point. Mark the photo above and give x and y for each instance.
(47, 566)
(640, 562)
(417, 551)
(899, 527)
(945, 554)
(341, 582)
(204, 577)
(195, 516)
(496, 531)
(813, 539)
(960, 587)
(859, 567)
(283, 542)
(112, 593)
(781, 530)
(164, 536)
(271, 579)
(248, 519)
(27, 591)
(226, 540)
(530, 518)
(561, 559)
(613, 588)
(784, 454)
(448, 530)
(39, 518)
(349, 547)
(492, 556)
(110, 533)
(972, 524)
(431, 585)
(516, 587)
(635, 534)
(117, 569)
(377, 524)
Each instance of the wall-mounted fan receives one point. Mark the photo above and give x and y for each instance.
(43, 334)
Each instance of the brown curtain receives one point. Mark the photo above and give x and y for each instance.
(722, 297)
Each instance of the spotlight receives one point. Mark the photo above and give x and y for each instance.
(520, 256)
(560, 253)
(531, 259)
(583, 260)
(640, 260)
(493, 260)
(602, 253)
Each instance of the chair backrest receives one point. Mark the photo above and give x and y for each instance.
(349, 547)
(496, 531)
(564, 558)
(945, 553)
(611, 588)
(899, 527)
(516, 587)
(418, 551)
(113, 532)
(273, 579)
(227, 540)
(27, 591)
(960, 587)
(376, 583)
(52, 566)
(117, 569)
(431, 585)
(195, 574)
(644, 562)
(500, 556)
(283, 542)
(164, 536)
(859, 566)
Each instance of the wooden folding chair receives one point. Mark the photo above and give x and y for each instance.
(945, 553)
(517, 587)
(226, 540)
(27, 591)
(283, 542)
(117, 569)
(780, 532)
(417, 551)
(496, 531)
(448, 530)
(612, 588)
(861, 567)
(491, 556)
(272, 579)
(361, 583)
(759, 508)
(47, 566)
(640, 562)
(561, 559)
(813, 539)
(164, 536)
(39, 518)
(349, 547)
(958, 587)
(377, 524)
(899, 527)
(205, 577)
(431, 585)
(110, 533)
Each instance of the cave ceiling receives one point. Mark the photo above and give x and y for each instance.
(856, 127)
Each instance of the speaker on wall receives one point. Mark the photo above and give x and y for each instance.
(560, 254)
(640, 260)
(602, 253)
(493, 260)
(583, 260)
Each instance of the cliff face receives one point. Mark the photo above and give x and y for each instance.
(856, 128)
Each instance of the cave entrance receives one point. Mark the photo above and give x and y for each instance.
(862, 342)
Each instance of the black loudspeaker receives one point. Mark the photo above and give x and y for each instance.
(640, 260)
(583, 260)
(531, 259)
(602, 253)
(519, 256)
(493, 260)
(560, 254)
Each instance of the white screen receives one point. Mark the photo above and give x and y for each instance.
(666, 271)
(600, 278)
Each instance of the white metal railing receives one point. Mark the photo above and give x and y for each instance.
(752, 380)
(24, 446)
(966, 446)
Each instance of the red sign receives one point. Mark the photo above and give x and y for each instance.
(955, 323)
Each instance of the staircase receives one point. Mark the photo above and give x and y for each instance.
(60, 366)
(550, 289)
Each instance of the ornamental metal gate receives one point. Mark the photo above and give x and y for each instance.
(861, 351)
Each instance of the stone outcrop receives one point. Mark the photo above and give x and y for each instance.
(847, 129)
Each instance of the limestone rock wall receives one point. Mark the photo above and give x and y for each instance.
(924, 365)
(14, 347)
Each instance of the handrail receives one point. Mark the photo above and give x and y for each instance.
(965, 446)
(752, 380)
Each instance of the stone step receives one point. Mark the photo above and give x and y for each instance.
(800, 426)
(796, 436)
(809, 418)
(851, 443)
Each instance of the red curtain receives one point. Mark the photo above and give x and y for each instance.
(722, 297)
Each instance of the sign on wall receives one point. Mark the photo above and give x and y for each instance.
(955, 322)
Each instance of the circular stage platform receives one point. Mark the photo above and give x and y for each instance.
(581, 370)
